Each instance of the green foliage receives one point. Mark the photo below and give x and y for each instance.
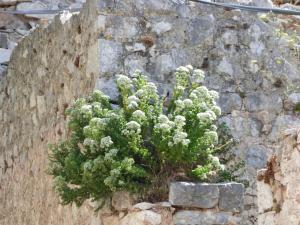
(140, 145)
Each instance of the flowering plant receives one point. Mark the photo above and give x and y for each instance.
(145, 142)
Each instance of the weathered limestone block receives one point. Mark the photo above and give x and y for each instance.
(189, 217)
(265, 197)
(194, 195)
(231, 197)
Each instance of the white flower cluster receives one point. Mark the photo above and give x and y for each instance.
(132, 128)
(183, 69)
(164, 124)
(106, 142)
(133, 102)
(188, 103)
(211, 136)
(138, 115)
(198, 76)
(216, 162)
(98, 96)
(86, 110)
(89, 142)
(109, 156)
(206, 117)
(124, 82)
(179, 135)
(100, 123)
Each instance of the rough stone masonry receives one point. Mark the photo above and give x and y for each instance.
(47, 71)
(254, 68)
(245, 57)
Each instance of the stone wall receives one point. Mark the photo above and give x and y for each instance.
(254, 68)
(278, 185)
(14, 28)
(189, 204)
(47, 70)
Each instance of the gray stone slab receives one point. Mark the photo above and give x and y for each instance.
(231, 197)
(187, 194)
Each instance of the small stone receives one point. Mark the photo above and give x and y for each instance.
(193, 195)
(231, 197)
(162, 27)
(145, 217)
(4, 55)
(229, 102)
(139, 47)
(121, 201)
(144, 206)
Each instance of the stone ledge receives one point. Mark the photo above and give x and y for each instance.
(227, 196)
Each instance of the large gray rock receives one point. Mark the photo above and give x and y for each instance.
(231, 197)
(256, 156)
(229, 102)
(194, 195)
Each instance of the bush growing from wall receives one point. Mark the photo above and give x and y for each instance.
(141, 145)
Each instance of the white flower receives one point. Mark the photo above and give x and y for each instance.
(106, 142)
(189, 67)
(123, 81)
(204, 117)
(222, 167)
(111, 154)
(182, 69)
(212, 136)
(164, 127)
(86, 108)
(179, 121)
(137, 73)
(133, 105)
(216, 110)
(179, 103)
(140, 93)
(132, 127)
(213, 127)
(151, 87)
(89, 142)
(99, 122)
(214, 94)
(163, 119)
(193, 95)
(185, 142)
(215, 161)
(180, 88)
(180, 137)
(188, 102)
(133, 98)
(138, 114)
(198, 76)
